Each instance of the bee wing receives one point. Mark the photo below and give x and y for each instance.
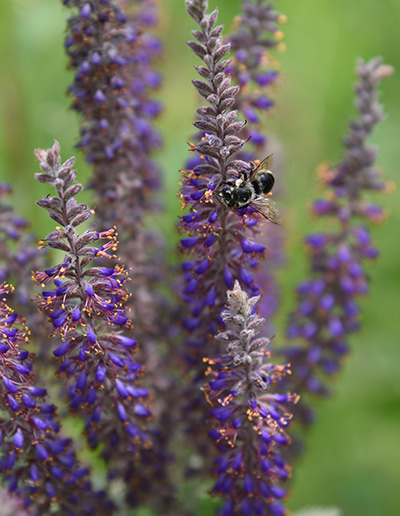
(266, 163)
(264, 166)
(272, 214)
(269, 212)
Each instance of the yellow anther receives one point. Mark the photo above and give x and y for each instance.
(281, 47)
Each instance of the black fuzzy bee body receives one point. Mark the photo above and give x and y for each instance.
(252, 187)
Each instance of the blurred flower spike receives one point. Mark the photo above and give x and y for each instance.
(328, 309)
(254, 35)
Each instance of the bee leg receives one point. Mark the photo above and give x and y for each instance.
(253, 167)
(244, 174)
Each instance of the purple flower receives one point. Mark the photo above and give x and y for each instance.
(219, 239)
(251, 43)
(88, 300)
(328, 302)
(18, 256)
(250, 420)
(254, 36)
(32, 452)
(113, 54)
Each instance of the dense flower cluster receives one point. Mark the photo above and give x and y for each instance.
(250, 421)
(219, 238)
(19, 255)
(113, 81)
(253, 67)
(36, 462)
(113, 52)
(254, 35)
(328, 309)
(85, 305)
(18, 252)
(113, 58)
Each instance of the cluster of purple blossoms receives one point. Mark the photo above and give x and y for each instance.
(219, 239)
(86, 306)
(113, 53)
(253, 68)
(36, 462)
(250, 421)
(18, 254)
(328, 309)
(112, 90)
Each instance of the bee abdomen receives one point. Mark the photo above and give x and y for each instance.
(264, 183)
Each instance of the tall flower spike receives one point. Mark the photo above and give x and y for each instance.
(19, 255)
(327, 310)
(36, 462)
(86, 307)
(219, 238)
(253, 68)
(113, 57)
(113, 54)
(112, 90)
(114, 80)
(18, 252)
(250, 421)
(254, 35)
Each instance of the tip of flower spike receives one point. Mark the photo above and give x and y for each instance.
(282, 19)
(383, 71)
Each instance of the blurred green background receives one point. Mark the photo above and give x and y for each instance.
(353, 458)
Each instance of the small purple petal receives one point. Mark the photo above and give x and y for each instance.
(142, 411)
(100, 373)
(41, 452)
(18, 438)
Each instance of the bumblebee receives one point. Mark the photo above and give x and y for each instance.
(252, 189)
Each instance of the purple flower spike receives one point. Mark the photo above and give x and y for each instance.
(254, 35)
(115, 99)
(30, 447)
(219, 238)
(248, 418)
(337, 275)
(94, 354)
